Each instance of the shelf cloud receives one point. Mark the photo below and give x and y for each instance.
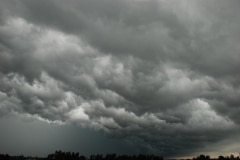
(162, 74)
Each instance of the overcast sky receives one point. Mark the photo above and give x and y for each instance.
(122, 76)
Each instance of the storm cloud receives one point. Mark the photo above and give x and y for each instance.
(162, 74)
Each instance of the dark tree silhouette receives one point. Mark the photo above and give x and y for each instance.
(61, 155)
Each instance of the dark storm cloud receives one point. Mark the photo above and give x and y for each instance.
(140, 70)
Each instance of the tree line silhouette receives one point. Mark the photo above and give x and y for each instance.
(60, 155)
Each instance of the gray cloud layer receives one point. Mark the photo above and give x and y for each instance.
(159, 73)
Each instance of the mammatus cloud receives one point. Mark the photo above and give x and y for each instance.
(159, 73)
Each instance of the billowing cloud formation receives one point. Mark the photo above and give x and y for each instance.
(159, 73)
